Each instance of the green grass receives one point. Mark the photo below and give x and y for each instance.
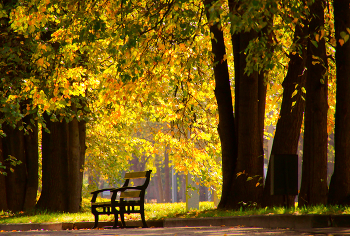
(322, 210)
(161, 211)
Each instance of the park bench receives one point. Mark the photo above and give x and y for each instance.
(125, 200)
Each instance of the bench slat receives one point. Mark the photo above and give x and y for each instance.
(130, 194)
(101, 204)
(135, 175)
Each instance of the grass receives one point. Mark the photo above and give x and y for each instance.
(161, 211)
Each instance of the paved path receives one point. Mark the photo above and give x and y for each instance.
(242, 225)
(179, 231)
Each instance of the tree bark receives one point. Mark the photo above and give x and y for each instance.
(262, 90)
(54, 166)
(31, 150)
(291, 116)
(226, 128)
(3, 202)
(138, 164)
(82, 143)
(160, 184)
(13, 145)
(245, 190)
(182, 193)
(74, 167)
(339, 190)
(236, 58)
(314, 188)
(63, 154)
(167, 191)
(19, 187)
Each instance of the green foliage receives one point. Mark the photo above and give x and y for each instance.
(2, 167)
(11, 161)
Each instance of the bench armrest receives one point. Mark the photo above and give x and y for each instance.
(95, 193)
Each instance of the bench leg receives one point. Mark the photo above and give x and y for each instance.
(96, 221)
(143, 220)
(115, 221)
(122, 219)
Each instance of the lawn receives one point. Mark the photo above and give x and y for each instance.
(160, 211)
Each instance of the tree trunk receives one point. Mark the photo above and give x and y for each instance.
(291, 116)
(314, 171)
(223, 96)
(262, 89)
(63, 154)
(32, 156)
(245, 188)
(182, 192)
(21, 184)
(82, 142)
(339, 190)
(74, 167)
(13, 145)
(54, 167)
(160, 185)
(138, 164)
(3, 202)
(167, 190)
(15, 180)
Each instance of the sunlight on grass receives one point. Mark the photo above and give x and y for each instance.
(44, 217)
(172, 210)
(162, 211)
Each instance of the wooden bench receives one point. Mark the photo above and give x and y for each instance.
(125, 200)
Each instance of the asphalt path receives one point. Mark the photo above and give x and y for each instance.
(177, 231)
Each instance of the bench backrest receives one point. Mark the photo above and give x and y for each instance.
(138, 175)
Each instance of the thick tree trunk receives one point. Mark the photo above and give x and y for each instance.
(63, 154)
(314, 171)
(74, 167)
(291, 116)
(223, 96)
(20, 185)
(245, 187)
(54, 167)
(339, 191)
(13, 145)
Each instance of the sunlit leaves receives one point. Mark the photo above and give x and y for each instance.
(141, 72)
(344, 37)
